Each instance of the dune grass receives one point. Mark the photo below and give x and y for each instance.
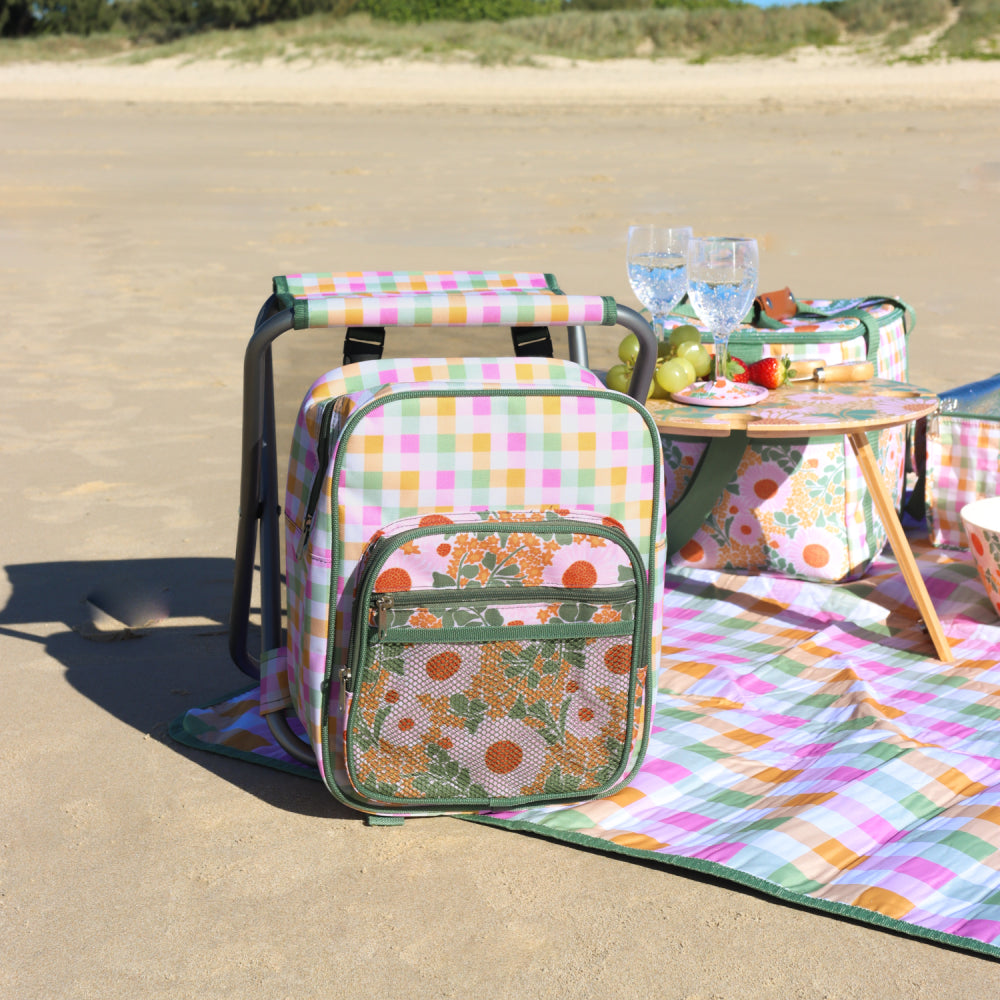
(881, 27)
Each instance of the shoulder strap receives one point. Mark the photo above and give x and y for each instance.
(909, 316)
(871, 325)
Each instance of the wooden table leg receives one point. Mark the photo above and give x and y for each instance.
(900, 546)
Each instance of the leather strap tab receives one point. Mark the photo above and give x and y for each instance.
(776, 305)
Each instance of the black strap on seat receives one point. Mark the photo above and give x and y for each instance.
(363, 343)
(531, 341)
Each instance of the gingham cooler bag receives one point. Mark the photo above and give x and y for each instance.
(475, 554)
(800, 507)
(962, 457)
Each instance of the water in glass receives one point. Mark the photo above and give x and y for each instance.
(657, 268)
(722, 283)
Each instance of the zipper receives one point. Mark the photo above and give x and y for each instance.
(316, 489)
(346, 684)
(384, 546)
(323, 442)
(386, 602)
(383, 605)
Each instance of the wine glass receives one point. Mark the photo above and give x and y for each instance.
(657, 268)
(722, 283)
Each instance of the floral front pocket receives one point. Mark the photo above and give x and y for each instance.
(497, 658)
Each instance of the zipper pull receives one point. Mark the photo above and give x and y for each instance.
(304, 537)
(383, 603)
(345, 680)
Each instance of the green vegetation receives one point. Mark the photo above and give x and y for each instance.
(976, 34)
(491, 31)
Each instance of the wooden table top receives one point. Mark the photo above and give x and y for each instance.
(802, 409)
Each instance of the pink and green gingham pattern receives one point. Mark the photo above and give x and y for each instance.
(500, 433)
(815, 758)
(369, 375)
(490, 308)
(804, 745)
(436, 298)
(963, 465)
(289, 287)
(831, 340)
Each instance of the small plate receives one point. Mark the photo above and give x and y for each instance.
(734, 394)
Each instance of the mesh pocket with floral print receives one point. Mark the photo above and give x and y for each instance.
(497, 658)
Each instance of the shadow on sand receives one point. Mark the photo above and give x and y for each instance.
(146, 639)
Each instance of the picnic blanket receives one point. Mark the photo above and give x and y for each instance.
(806, 745)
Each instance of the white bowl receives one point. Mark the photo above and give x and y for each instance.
(981, 519)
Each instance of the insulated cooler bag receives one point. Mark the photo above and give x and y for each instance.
(475, 554)
(800, 507)
(962, 457)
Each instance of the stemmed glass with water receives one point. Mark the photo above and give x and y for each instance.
(657, 268)
(722, 283)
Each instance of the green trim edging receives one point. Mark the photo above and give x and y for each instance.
(610, 311)
(279, 285)
(178, 731)
(744, 880)
(300, 314)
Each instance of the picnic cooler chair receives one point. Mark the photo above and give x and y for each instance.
(475, 550)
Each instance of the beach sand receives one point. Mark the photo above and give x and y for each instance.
(144, 211)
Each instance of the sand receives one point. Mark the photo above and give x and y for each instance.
(144, 211)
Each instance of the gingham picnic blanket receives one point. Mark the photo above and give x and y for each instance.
(805, 745)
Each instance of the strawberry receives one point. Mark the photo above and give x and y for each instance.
(736, 369)
(769, 372)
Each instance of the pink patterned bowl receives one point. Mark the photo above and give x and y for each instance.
(982, 524)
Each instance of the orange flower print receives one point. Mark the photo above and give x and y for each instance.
(422, 618)
(508, 756)
(392, 580)
(816, 552)
(762, 482)
(607, 614)
(745, 529)
(443, 665)
(405, 723)
(514, 557)
(618, 659)
(588, 716)
(503, 756)
(579, 574)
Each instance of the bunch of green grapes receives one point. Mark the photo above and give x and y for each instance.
(680, 359)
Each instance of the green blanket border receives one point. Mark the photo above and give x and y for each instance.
(181, 733)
